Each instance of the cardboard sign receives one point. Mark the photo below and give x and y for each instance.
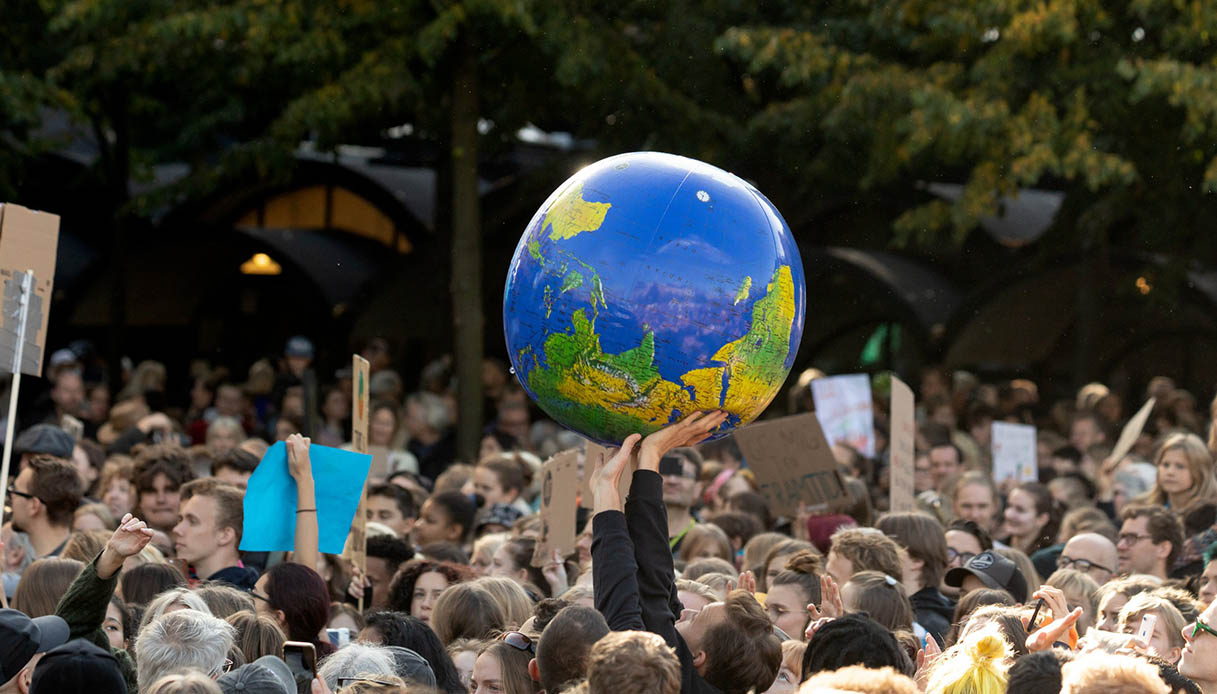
(1014, 451)
(559, 480)
(29, 241)
(593, 453)
(903, 447)
(793, 464)
(1132, 431)
(843, 406)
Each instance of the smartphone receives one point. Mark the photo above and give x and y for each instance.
(1145, 632)
(301, 658)
(338, 637)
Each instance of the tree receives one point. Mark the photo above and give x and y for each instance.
(234, 88)
(1111, 105)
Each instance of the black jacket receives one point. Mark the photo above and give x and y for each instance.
(934, 612)
(633, 576)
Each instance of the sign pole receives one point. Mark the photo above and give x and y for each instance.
(358, 542)
(23, 309)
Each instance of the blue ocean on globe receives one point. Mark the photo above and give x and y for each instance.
(647, 287)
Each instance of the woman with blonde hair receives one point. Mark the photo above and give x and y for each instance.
(706, 540)
(1166, 641)
(189, 682)
(977, 665)
(257, 635)
(509, 594)
(1080, 591)
(1185, 475)
(467, 610)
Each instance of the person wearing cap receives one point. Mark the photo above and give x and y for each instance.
(78, 666)
(266, 675)
(44, 498)
(68, 394)
(23, 641)
(43, 439)
(496, 518)
(989, 570)
(298, 355)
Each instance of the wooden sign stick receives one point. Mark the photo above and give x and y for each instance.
(358, 542)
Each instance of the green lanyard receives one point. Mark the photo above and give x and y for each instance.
(676, 540)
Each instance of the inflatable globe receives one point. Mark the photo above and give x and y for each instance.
(650, 286)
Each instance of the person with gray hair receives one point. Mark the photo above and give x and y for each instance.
(353, 660)
(170, 601)
(182, 640)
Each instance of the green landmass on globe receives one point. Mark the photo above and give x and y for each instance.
(623, 393)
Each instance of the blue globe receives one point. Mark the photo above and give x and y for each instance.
(649, 286)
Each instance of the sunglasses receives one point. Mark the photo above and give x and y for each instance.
(1199, 626)
(518, 641)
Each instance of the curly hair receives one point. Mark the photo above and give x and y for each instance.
(401, 588)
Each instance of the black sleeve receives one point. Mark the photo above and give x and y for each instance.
(648, 523)
(615, 573)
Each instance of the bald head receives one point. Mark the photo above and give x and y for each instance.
(1092, 554)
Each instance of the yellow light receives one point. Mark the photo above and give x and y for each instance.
(260, 264)
(1143, 285)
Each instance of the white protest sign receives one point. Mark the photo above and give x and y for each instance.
(1014, 452)
(843, 406)
(903, 428)
(1132, 431)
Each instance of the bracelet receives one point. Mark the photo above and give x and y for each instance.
(306, 510)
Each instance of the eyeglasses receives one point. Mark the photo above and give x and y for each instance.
(257, 596)
(1199, 626)
(344, 681)
(963, 557)
(227, 665)
(518, 641)
(1132, 538)
(23, 495)
(1083, 565)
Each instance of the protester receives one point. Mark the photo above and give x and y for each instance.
(862, 605)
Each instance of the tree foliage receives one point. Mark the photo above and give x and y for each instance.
(1111, 103)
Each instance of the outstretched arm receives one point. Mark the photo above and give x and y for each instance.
(83, 607)
(648, 521)
(301, 468)
(614, 571)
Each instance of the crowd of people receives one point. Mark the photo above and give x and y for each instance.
(123, 572)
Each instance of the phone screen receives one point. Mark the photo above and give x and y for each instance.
(301, 658)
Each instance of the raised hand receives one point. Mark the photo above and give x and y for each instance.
(298, 464)
(554, 572)
(1054, 599)
(1052, 632)
(925, 661)
(131, 537)
(830, 598)
(747, 581)
(692, 429)
(606, 476)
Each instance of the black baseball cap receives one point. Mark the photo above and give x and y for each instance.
(78, 666)
(21, 638)
(45, 438)
(993, 570)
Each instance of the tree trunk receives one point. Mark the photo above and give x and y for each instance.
(467, 317)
